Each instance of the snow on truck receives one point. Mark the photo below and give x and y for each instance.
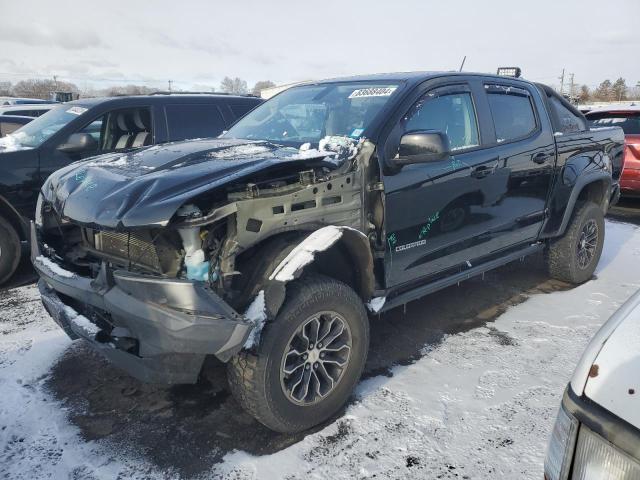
(597, 430)
(266, 246)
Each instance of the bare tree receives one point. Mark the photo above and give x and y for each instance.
(235, 86)
(119, 91)
(585, 94)
(41, 88)
(5, 88)
(261, 85)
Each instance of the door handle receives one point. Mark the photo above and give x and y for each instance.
(482, 171)
(540, 158)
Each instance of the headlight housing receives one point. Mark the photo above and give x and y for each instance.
(561, 445)
(597, 458)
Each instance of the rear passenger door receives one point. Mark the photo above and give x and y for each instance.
(524, 148)
(188, 121)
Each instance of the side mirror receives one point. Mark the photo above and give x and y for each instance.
(79, 142)
(422, 146)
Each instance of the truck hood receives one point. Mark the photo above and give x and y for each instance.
(145, 188)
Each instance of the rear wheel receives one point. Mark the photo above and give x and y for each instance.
(309, 358)
(9, 250)
(574, 257)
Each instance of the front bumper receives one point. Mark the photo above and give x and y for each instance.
(158, 330)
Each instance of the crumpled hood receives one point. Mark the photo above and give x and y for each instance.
(145, 187)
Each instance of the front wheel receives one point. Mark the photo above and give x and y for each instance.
(309, 358)
(573, 258)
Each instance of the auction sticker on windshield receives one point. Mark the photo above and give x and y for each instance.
(77, 110)
(373, 92)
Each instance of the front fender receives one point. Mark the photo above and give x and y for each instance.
(303, 255)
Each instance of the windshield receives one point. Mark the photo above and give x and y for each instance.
(306, 114)
(628, 121)
(34, 133)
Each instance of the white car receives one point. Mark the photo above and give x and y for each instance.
(597, 431)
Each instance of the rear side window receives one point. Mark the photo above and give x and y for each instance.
(450, 113)
(628, 121)
(194, 121)
(512, 112)
(568, 122)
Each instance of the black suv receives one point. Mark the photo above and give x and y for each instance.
(83, 128)
(265, 247)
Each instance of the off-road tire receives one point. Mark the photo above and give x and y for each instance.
(562, 254)
(254, 377)
(9, 250)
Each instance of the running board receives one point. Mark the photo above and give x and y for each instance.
(428, 288)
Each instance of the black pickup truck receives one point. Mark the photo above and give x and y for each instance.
(265, 247)
(76, 130)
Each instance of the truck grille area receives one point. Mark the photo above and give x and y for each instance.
(135, 248)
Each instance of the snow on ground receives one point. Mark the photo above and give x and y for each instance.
(480, 404)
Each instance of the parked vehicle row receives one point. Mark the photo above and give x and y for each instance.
(627, 118)
(83, 128)
(266, 246)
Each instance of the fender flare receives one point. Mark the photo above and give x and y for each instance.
(303, 255)
(581, 182)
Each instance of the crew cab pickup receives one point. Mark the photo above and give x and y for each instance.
(266, 246)
(76, 130)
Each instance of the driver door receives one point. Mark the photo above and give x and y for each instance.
(437, 212)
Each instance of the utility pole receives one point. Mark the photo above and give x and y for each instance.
(170, 82)
(571, 88)
(561, 77)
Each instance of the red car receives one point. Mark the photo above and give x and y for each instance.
(628, 118)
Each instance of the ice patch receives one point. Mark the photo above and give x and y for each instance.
(240, 151)
(54, 267)
(11, 143)
(376, 303)
(304, 253)
(257, 314)
(336, 148)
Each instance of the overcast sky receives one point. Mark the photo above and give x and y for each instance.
(196, 43)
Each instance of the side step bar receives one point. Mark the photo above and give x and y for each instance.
(428, 288)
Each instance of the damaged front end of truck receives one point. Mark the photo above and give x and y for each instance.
(151, 256)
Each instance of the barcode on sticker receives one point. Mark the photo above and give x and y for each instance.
(372, 92)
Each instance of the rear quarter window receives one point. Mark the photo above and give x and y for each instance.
(187, 121)
(241, 109)
(567, 121)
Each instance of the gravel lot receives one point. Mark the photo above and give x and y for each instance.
(464, 385)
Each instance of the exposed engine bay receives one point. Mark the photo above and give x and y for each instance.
(208, 236)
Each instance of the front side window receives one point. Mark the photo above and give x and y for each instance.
(452, 114)
(512, 111)
(306, 114)
(628, 121)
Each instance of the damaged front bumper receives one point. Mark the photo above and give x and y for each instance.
(159, 330)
